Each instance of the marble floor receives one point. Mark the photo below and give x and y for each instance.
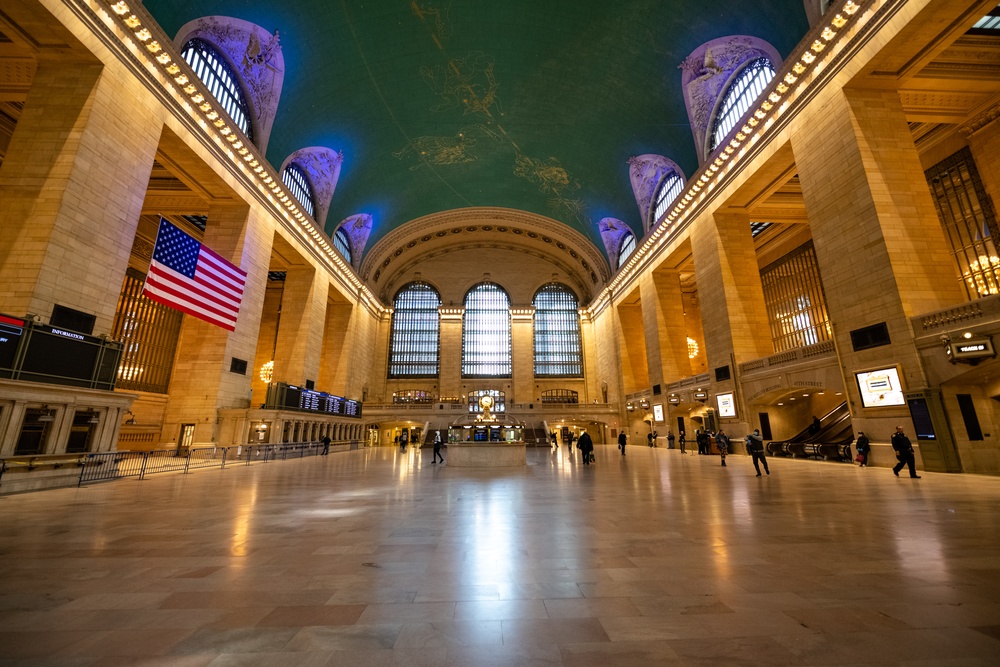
(375, 557)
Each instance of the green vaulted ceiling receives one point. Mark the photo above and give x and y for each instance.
(527, 104)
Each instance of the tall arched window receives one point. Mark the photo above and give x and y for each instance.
(414, 346)
(486, 332)
(626, 248)
(342, 244)
(215, 72)
(298, 185)
(744, 88)
(670, 187)
(557, 332)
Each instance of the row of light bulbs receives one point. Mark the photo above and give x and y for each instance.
(697, 191)
(241, 154)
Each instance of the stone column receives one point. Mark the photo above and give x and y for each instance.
(635, 373)
(733, 315)
(522, 352)
(300, 332)
(663, 322)
(450, 355)
(201, 382)
(334, 361)
(860, 171)
(72, 186)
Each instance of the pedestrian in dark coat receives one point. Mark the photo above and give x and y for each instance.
(622, 438)
(670, 439)
(904, 452)
(681, 440)
(863, 447)
(722, 442)
(755, 447)
(326, 445)
(586, 446)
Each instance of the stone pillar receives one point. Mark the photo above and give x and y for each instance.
(635, 373)
(334, 361)
(522, 352)
(983, 135)
(451, 351)
(860, 171)
(663, 321)
(300, 332)
(201, 382)
(72, 186)
(734, 318)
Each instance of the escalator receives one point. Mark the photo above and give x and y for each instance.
(831, 442)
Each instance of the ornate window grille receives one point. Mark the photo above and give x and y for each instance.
(796, 305)
(558, 350)
(412, 396)
(298, 185)
(747, 85)
(626, 248)
(149, 331)
(566, 396)
(969, 220)
(486, 332)
(343, 244)
(415, 338)
(216, 73)
(670, 187)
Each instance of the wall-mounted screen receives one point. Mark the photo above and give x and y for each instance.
(880, 388)
(727, 406)
(658, 412)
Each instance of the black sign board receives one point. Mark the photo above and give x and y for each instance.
(289, 397)
(921, 416)
(11, 333)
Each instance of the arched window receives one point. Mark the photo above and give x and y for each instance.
(670, 187)
(215, 72)
(626, 248)
(557, 332)
(486, 332)
(298, 185)
(342, 244)
(414, 345)
(746, 86)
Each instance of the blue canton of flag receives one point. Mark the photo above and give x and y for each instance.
(189, 276)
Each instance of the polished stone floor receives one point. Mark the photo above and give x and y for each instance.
(379, 558)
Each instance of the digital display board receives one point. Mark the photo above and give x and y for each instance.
(289, 397)
(880, 388)
(727, 407)
(11, 333)
(658, 412)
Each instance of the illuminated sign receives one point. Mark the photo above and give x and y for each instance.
(880, 388)
(727, 407)
(701, 395)
(658, 412)
(674, 399)
(971, 349)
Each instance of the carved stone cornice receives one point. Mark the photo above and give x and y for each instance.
(983, 119)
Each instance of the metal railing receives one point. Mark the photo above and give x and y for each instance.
(105, 466)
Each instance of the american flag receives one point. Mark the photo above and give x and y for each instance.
(190, 277)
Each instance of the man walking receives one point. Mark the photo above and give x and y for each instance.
(722, 442)
(326, 445)
(585, 445)
(437, 448)
(904, 452)
(621, 442)
(755, 446)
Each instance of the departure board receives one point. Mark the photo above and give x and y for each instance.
(283, 396)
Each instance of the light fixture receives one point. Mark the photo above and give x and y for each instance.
(94, 418)
(46, 416)
(967, 335)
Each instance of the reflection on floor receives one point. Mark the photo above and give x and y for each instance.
(380, 558)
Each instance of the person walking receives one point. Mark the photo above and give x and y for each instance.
(585, 445)
(404, 438)
(904, 452)
(326, 445)
(670, 439)
(622, 438)
(437, 448)
(701, 438)
(555, 441)
(755, 446)
(722, 442)
(863, 447)
(681, 440)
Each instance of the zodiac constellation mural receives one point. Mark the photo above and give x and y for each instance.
(470, 84)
